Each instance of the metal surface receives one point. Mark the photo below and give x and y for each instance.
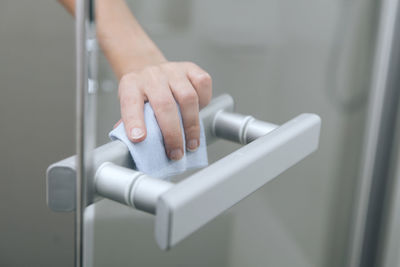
(81, 76)
(86, 80)
(61, 176)
(198, 199)
(116, 182)
(129, 187)
(221, 103)
(138, 190)
(218, 123)
(183, 208)
(390, 243)
(239, 128)
(147, 191)
(377, 144)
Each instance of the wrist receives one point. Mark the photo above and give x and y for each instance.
(141, 58)
(125, 44)
(128, 54)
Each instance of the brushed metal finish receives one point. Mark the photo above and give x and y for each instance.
(129, 187)
(146, 192)
(183, 208)
(198, 199)
(240, 128)
(86, 89)
(383, 97)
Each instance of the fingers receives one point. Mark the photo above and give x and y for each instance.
(163, 86)
(166, 112)
(188, 100)
(201, 82)
(132, 104)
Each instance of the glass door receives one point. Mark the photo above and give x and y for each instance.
(276, 60)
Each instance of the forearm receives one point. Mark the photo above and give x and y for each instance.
(145, 76)
(123, 41)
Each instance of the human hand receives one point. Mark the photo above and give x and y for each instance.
(164, 85)
(145, 75)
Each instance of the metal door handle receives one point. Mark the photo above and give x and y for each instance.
(182, 208)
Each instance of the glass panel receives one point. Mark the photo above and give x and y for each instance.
(277, 59)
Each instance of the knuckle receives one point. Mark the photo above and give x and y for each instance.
(170, 65)
(204, 83)
(163, 104)
(124, 79)
(207, 96)
(126, 83)
(188, 97)
(127, 99)
(167, 66)
(173, 70)
(128, 79)
(152, 71)
(205, 79)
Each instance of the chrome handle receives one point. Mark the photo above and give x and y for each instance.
(182, 208)
(195, 201)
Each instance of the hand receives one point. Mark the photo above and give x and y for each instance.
(162, 85)
(129, 49)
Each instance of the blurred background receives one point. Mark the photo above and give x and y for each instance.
(37, 114)
(276, 58)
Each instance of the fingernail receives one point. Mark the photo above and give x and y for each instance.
(176, 154)
(136, 133)
(192, 145)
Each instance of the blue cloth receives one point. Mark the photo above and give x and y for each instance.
(150, 156)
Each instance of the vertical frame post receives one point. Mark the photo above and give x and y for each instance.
(86, 89)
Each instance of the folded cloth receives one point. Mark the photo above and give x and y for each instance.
(150, 156)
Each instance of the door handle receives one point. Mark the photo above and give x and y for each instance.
(182, 208)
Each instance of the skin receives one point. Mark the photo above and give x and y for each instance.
(146, 75)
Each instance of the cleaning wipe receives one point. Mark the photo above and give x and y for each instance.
(150, 156)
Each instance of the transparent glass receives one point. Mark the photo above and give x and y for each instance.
(277, 59)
